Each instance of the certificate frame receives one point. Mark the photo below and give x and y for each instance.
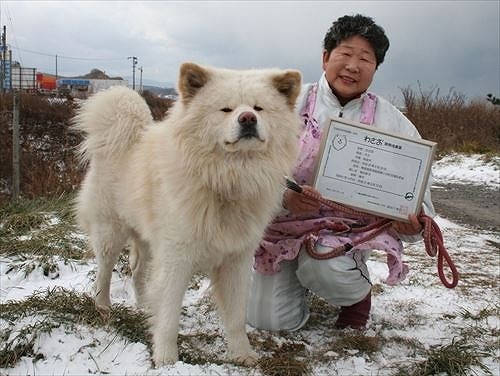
(373, 170)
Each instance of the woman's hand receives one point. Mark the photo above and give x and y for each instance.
(404, 228)
(300, 203)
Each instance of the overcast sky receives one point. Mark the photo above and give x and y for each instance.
(450, 45)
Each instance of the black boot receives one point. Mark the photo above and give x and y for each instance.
(356, 315)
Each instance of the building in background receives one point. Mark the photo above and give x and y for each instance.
(82, 88)
(45, 82)
(23, 78)
(74, 87)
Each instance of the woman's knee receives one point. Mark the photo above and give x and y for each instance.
(277, 302)
(342, 281)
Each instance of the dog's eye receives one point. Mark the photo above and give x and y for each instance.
(226, 109)
(257, 108)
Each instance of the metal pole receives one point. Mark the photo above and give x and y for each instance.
(134, 62)
(133, 75)
(140, 81)
(16, 173)
(3, 56)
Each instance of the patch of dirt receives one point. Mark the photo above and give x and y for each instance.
(468, 204)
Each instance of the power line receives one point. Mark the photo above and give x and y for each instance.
(67, 57)
(9, 17)
(56, 56)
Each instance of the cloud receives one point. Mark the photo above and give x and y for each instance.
(440, 43)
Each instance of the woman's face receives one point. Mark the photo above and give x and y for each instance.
(350, 67)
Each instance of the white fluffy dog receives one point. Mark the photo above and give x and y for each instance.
(192, 193)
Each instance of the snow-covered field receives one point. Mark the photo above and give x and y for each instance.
(410, 323)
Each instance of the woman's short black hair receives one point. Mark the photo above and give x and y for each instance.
(348, 26)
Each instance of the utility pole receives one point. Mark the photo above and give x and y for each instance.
(134, 63)
(16, 170)
(140, 80)
(3, 57)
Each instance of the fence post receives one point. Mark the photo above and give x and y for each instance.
(15, 146)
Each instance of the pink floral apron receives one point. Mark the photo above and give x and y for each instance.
(284, 237)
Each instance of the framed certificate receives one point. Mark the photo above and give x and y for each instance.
(373, 171)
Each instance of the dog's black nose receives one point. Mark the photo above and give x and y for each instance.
(247, 119)
(248, 122)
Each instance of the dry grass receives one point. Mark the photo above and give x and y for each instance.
(48, 164)
(158, 106)
(356, 341)
(286, 359)
(456, 124)
(40, 232)
(459, 358)
(60, 307)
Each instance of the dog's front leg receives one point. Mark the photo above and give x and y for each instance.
(164, 300)
(230, 283)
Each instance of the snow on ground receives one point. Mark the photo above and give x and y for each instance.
(473, 169)
(419, 310)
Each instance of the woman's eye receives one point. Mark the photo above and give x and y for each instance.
(257, 108)
(226, 109)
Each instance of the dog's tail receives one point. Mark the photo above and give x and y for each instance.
(112, 121)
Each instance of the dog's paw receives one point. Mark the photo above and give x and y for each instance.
(164, 357)
(247, 359)
(104, 311)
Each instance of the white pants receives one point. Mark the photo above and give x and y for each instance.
(277, 301)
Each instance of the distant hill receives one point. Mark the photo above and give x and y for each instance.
(96, 74)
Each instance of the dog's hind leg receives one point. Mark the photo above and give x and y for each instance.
(230, 285)
(107, 240)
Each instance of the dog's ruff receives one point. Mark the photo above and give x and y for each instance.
(193, 192)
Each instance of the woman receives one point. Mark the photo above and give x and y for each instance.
(354, 47)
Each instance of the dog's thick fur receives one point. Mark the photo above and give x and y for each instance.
(194, 192)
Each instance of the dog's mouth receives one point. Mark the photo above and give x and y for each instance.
(249, 132)
(244, 137)
(245, 134)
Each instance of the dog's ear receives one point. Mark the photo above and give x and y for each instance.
(288, 83)
(192, 78)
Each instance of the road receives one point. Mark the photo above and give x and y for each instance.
(473, 205)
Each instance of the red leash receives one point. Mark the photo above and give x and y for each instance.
(433, 238)
(434, 245)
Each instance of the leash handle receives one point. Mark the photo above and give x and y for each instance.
(434, 245)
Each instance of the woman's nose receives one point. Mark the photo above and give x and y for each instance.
(352, 65)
